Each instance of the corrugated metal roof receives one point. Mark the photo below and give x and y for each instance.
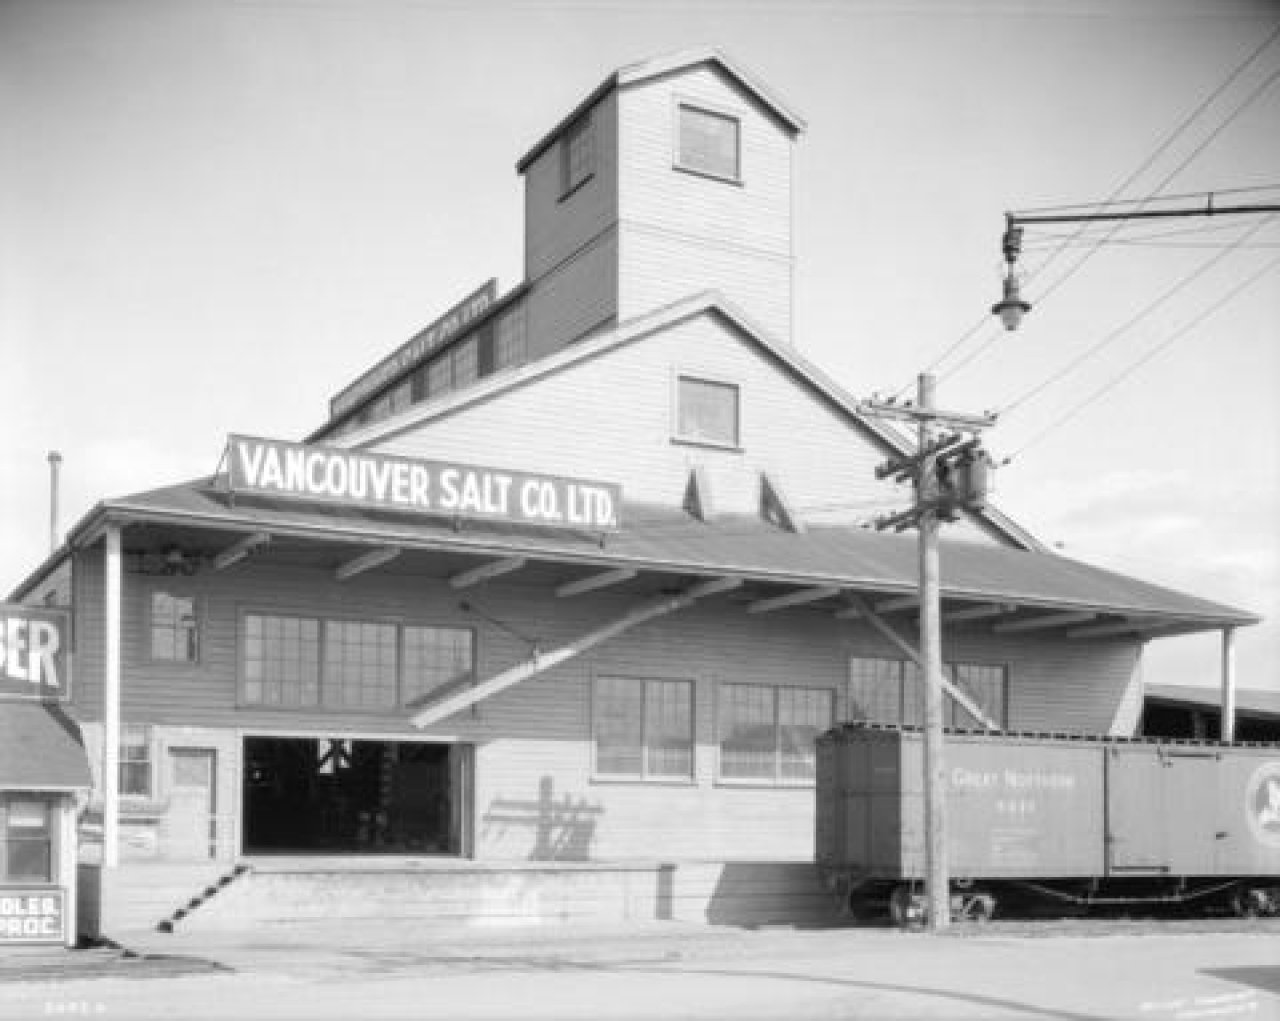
(40, 749)
(663, 539)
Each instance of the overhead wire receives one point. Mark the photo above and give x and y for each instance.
(1114, 197)
(1120, 377)
(1133, 320)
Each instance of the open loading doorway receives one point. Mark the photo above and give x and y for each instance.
(341, 795)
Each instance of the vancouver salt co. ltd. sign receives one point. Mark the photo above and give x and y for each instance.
(388, 482)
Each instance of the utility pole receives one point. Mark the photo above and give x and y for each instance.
(950, 472)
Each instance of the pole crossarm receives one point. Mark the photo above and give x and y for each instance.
(936, 416)
(540, 662)
(1020, 219)
(865, 610)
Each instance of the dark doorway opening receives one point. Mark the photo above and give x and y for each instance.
(339, 795)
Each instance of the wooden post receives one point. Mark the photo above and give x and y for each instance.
(937, 875)
(111, 703)
(1227, 730)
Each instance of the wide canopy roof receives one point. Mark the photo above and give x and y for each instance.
(666, 544)
(40, 749)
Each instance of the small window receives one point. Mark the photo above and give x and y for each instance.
(509, 339)
(643, 729)
(175, 628)
(577, 154)
(707, 412)
(135, 763)
(767, 733)
(440, 375)
(435, 657)
(708, 143)
(465, 364)
(26, 840)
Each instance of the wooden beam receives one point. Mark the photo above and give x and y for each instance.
(366, 562)
(913, 654)
(493, 569)
(1227, 724)
(978, 612)
(1046, 620)
(848, 613)
(540, 662)
(596, 581)
(235, 553)
(1122, 627)
(113, 627)
(797, 598)
(897, 603)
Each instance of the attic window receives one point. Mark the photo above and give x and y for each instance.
(577, 154)
(708, 143)
(707, 412)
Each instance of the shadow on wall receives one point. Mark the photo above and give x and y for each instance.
(563, 828)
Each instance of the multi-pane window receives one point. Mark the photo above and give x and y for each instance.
(643, 728)
(175, 628)
(435, 657)
(135, 763)
(366, 666)
(708, 143)
(440, 375)
(26, 850)
(359, 664)
(707, 411)
(465, 364)
(767, 733)
(281, 661)
(509, 341)
(890, 691)
(577, 154)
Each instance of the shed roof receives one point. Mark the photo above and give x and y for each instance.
(40, 749)
(659, 539)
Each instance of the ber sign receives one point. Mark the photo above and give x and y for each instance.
(305, 472)
(33, 652)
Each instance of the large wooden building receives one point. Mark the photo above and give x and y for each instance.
(575, 575)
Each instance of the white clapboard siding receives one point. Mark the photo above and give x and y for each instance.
(535, 795)
(682, 232)
(612, 418)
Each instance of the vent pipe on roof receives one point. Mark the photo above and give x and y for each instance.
(55, 462)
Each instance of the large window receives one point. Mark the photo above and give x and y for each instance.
(577, 154)
(281, 661)
(706, 411)
(890, 691)
(175, 628)
(643, 729)
(369, 666)
(435, 657)
(359, 664)
(136, 773)
(26, 850)
(708, 143)
(767, 733)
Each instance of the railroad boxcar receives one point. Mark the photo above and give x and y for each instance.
(1080, 820)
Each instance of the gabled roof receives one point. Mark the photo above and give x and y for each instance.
(40, 749)
(635, 330)
(654, 67)
(668, 541)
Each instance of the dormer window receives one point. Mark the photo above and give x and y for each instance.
(577, 154)
(707, 412)
(708, 143)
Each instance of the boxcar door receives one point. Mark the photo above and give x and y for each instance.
(1193, 816)
(1136, 793)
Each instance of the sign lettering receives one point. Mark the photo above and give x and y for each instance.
(307, 472)
(33, 652)
(414, 350)
(32, 916)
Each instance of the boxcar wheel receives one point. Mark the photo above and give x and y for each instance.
(906, 907)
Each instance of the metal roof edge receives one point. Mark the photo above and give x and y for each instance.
(644, 70)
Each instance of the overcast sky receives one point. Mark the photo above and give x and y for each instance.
(213, 215)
